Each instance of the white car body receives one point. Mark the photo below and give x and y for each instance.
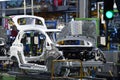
(17, 47)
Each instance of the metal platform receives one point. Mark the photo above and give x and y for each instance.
(31, 76)
(4, 58)
(87, 64)
(92, 63)
(35, 76)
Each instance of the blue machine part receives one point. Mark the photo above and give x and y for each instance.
(51, 24)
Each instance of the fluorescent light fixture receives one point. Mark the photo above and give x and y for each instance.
(5, 0)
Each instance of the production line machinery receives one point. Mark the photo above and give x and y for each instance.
(33, 49)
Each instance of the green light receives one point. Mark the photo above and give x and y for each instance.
(109, 14)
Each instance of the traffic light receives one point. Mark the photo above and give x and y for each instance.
(108, 9)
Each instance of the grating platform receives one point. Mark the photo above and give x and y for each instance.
(4, 58)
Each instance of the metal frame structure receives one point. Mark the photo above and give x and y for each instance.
(68, 66)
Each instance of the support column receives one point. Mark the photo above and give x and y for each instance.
(66, 17)
(24, 7)
(83, 8)
(32, 9)
(3, 14)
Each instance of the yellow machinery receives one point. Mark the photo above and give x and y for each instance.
(80, 72)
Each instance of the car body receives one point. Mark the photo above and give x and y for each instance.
(31, 43)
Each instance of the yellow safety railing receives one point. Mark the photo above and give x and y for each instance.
(81, 73)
